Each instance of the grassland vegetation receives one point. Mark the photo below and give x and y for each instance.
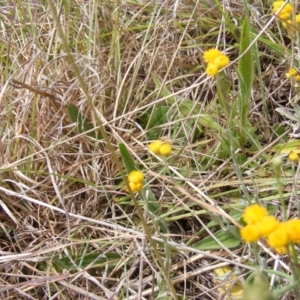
(149, 149)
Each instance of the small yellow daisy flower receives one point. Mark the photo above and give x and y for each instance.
(155, 146)
(136, 176)
(291, 73)
(135, 187)
(286, 11)
(211, 54)
(278, 238)
(293, 157)
(212, 69)
(221, 61)
(293, 230)
(165, 149)
(159, 147)
(298, 18)
(135, 181)
(267, 225)
(254, 213)
(250, 234)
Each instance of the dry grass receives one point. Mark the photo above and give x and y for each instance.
(68, 228)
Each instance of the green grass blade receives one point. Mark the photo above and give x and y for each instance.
(245, 75)
(224, 237)
(127, 159)
(92, 259)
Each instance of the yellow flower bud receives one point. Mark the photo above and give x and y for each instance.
(278, 238)
(155, 146)
(211, 54)
(254, 213)
(291, 73)
(212, 69)
(249, 234)
(293, 157)
(136, 176)
(221, 61)
(165, 149)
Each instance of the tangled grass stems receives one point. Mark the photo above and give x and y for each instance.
(86, 87)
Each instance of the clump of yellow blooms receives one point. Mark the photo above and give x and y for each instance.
(215, 60)
(278, 238)
(285, 13)
(270, 223)
(260, 225)
(135, 181)
(161, 148)
(293, 230)
(254, 213)
(250, 233)
(291, 73)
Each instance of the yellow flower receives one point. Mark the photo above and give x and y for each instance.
(267, 225)
(298, 18)
(212, 69)
(293, 157)
(136, 176)
(135, 187)
(165, 149)
(155, 146)
(254, 213)
(297, 78)
(159, 147)
(221, 61)
(291, 73)
(211, 54)
(278, 238)
(135, 180)
(215, 60)
(286, 11)
(293, 230)
(249, 233)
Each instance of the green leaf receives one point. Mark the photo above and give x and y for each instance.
(82, 124)
(245, 65)
(189, 108)
(83, 260)
(127, 159)
(225, 238)
(288, 147)
(245, 73)
(153, 117)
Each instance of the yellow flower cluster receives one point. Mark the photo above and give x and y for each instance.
(135, 181)
(136, 178)
(260, 225)
(215, 60)
(285, 14)
(160, 147)
(293, 74)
